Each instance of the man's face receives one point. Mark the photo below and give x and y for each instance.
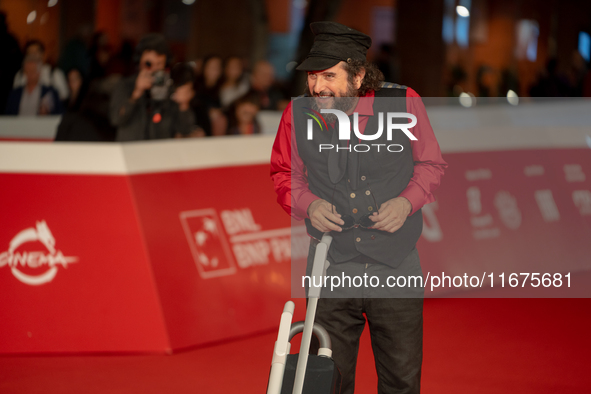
(246, 112)
(74, 80)
(263, 76)
(326, 85)
(152, 61)
(36, 50)
(333, 82)
(31, 71)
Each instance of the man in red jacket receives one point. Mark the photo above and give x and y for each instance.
(368, 192)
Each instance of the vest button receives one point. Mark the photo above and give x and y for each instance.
(370, 208)
(367, 192)
(352, 195)
(373, 237)
(354, 210)
(363, 177)
(358, 239)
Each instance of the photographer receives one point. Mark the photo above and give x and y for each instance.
(147, 106)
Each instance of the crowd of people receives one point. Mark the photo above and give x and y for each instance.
(138, 94)
(141, 93)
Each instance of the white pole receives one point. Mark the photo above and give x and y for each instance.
(281, 350)
(313, 294)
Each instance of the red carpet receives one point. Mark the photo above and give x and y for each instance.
(471, 346)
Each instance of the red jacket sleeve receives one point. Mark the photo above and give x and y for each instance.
(428, 163)
(288, 172)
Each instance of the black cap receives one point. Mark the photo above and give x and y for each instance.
(334, 43)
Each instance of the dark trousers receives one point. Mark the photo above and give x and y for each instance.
(395, 325)
(396, 329)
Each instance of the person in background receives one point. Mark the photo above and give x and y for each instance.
(77, 89)
(107, 69)
(183, 77)
(91, 121)
(142, 106)
(75, 54)
(197, 64)
(234, 83)
(121, 64)
(100, 56)
(34, 98)
(53, 77)
(12, 60)
(551, 82)
(243, 116)
(486, 81)
(207, 96)
(576, 74)
(262, 83)
(387, 62)
(509, 80)
(207, 85)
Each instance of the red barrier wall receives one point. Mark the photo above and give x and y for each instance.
(513, 211)
(102, 297)
(150, 247)
(219, 249)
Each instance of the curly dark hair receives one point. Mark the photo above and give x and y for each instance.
(373, 76)
(153, 42)
(35, 42)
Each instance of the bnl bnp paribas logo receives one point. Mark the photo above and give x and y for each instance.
(30, 266)
(345, 130)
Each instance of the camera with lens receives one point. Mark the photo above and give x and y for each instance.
(161, 85)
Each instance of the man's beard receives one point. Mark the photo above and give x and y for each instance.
(346, 102)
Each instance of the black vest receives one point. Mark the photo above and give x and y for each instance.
(384, 174)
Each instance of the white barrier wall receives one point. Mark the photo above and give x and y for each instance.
(29, 127)
(549, 123)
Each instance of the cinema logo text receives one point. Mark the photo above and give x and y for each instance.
(32, 261)
(345, 130)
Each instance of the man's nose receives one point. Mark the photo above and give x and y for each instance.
(318, 86)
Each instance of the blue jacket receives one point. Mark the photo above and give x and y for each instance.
(14, 100)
